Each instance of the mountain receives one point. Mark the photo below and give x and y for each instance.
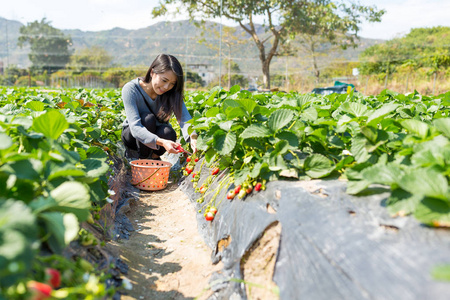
(133, 48)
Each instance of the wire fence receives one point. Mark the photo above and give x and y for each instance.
(131, 55)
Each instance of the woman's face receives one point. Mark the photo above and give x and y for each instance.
(163, 82)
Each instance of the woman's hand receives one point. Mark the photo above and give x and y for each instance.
(194, 143)
(170, 146)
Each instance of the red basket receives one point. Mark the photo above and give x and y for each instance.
(150, 175)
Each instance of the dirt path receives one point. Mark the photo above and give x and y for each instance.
(167, 257)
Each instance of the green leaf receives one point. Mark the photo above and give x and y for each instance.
(224, 142)
(416, 127)
(354, 108)
(62, 170)
(370, 133)
(95, 168)
(18, 236)
(426, 182)
(235, 112)
(71, 226)
(383, 174)
(428, 157)
(358, 148)
(257, 169)
(35, 105)
(290, 137)
(72, 197)
(309, 114)
(226, 125)
(248, 104)
(52, 124)
(443, 125)
(15, 215)
(255, 131)
(234, 89)
(5, 141)
(402, 203)
(318, 166)
(281, 147)
(356, 186)
(212, 112)
(280, 118)
(24, 169)
(54, 225)
(441, 273)
(276, 163)
(241, 175)
(382, 112)
(434, 212)
(211, 99)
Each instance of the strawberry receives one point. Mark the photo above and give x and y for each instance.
(209, 216)
(249, 190)
(202, 189)
(188, 159)
(231, 194)
(215, 171)
(258, 186)
(189, 169)
(237, 189)
(54, 277)
(196, 159)
(242, 194)
(39, 290)
(213, 210)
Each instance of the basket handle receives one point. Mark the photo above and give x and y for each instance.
(134, 184)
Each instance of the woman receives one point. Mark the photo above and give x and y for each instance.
(149, 103)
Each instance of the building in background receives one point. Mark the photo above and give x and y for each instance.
(205, 71)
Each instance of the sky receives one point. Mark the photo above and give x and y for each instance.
(96, 15)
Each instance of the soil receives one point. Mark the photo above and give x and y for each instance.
(166, 256)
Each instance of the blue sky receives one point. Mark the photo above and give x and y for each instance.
(94, 15)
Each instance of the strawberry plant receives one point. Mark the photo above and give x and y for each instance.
(54, 172)
(393, 139)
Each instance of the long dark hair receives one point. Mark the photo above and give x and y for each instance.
(171, 100)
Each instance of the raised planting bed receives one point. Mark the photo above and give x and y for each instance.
(318, 242)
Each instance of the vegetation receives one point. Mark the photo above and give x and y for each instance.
(55, 166)
(422, 49)
(399, 141)
(282, 19)
(54, 177)
(49, 46)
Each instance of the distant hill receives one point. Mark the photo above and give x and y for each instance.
(139, 47)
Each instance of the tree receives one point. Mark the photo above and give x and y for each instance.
(281, 19)
(49, 46)
(95, 58)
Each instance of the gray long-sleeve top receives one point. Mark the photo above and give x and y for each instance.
(133, 96)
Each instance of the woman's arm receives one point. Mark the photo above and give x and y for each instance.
(131, 97)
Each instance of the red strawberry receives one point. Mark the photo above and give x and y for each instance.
(215, 171)
(258, 186)
(231, 194)
(213, 210)
(209, 216)
(39, 290)
(237, 189)
(54, 277)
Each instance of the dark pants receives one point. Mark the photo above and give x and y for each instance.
(148, 121)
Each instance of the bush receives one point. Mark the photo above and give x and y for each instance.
(25, 81)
